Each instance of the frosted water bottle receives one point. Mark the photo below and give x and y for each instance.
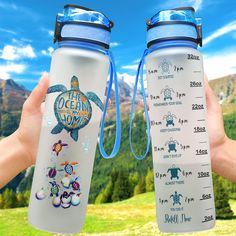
(74, 105)
(177, 121)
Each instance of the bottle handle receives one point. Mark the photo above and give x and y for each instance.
(116, 147)
(140, 75)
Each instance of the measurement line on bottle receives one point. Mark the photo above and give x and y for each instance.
(203, 199)
(197, 71)
(201, 120)
(195, 84)
(203, 174)
(207, 187)
(208, 209)
(207, 218)
(199, 97)
(196, 107)
(201, 152)
(206, 221)
(203, 142)
(201, 177)
(199, 129)
(205, 164)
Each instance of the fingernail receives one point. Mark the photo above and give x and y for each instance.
(44, 74)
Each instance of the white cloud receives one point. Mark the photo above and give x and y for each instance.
(8, 31)
(130, 67)
(114, 44)
(48, 52)
(12, 53)
(51, 33)
(9, 68)
(33, 81)
(21, 41)
(220, 64)
(5, 5)
(221, 31)
(22, 11)
(37, 73)
(128, 78)
(137, 60)
(168, 4)
(197, 4)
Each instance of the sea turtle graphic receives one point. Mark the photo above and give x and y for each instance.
(167, 93)
(57, 147)
(176, 198)
(52, 172)
(66, 199)
(68, 167)
(165, 66)
(54, 189)
(174, 172)
(172, 145)
(72, 108)
(75, 184)
(169, 119)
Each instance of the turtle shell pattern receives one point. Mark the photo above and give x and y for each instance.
(69, 169)
(55, 189)
(167, 92)
(176, 198)
(73, 109)
(165, 66)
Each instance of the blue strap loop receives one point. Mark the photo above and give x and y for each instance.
(113, 76)
(139, 78)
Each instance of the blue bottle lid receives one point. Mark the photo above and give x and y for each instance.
(174, 24)
(78, 23)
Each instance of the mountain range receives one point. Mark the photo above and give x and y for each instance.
(13, 95)
(225, 90)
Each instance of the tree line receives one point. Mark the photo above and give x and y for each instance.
(124, 176)
(123, 185)
(11, 199)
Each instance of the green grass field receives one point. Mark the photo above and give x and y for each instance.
(135, 216)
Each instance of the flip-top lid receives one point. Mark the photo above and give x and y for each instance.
(78, 23)
(174, 24)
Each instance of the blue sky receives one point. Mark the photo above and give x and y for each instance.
(26, 32)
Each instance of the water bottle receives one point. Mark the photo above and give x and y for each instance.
(177, 121)
(74, 105)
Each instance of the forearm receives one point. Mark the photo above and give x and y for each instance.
(12, 159)
(224, 159)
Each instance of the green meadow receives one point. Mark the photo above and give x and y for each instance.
(135, 216)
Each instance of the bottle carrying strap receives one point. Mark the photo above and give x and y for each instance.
(139, 78)
(113, 76)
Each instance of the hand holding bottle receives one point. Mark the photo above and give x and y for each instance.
(31, 119)
(223, 149)
(18, 151)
